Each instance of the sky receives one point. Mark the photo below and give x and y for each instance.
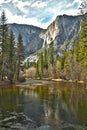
(39, 13)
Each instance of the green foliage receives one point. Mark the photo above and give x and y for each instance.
(20, 55)
(64, 60)
(40, 65)
(3, 41)
(51, 51)
(10, 56)
(45, 58)
(82, 48)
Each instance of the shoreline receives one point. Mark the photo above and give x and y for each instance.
(34, 82)
(37, 82)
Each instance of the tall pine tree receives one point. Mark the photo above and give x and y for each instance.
(82, 48)
(3, 42)
(11, 57)
(20, 55)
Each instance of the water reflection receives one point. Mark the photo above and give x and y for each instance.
(57, 107)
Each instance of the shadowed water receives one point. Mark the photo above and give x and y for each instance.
(50, 107)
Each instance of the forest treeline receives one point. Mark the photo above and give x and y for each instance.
(11, 52)
(72, 65)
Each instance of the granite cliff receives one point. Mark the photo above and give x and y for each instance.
(30, 35)
(61, 32)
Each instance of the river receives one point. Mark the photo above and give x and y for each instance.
(60, 106)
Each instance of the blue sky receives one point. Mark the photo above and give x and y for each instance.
(38, 12)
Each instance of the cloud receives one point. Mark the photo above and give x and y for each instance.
(38, 12)
(1, 1)
(46, 19)
(23, 20)
(75, 2)
(21, 5)
(70, 5)
(4, 1)
(39, 4)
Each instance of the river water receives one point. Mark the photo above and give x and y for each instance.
(58, 106)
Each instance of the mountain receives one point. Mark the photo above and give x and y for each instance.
(30, 35)
(62, 33)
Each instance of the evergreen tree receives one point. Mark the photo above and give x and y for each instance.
(64, 61)
(40, 65)
(82, 48)
(3, 42)
(51, 48)
(20, 55)
(11, 57)
(45, 58)
(37, 69)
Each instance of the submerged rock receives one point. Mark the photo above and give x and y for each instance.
(9, 119)
(45, 127)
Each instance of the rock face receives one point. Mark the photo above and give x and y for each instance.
(62, 33)
(30, 35)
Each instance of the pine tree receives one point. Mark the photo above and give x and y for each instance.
(20, 55)
(37, 69)
(40, 65)
(51, 54)
(82, 48)
(3, 42)
(45, 58)
(11, 57)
